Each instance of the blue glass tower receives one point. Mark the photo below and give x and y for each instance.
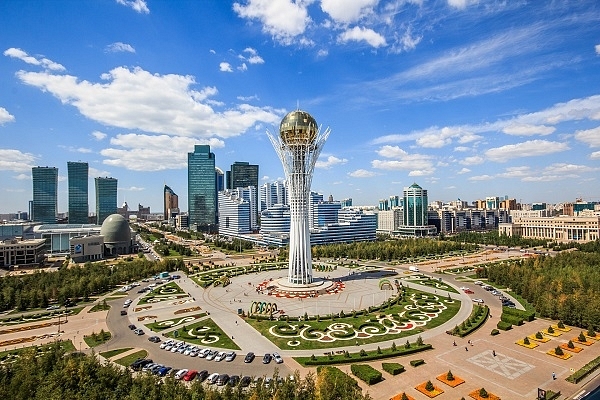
(415, 206)
(78, 192)
(106, 198)
(45, 189)
(202, 189)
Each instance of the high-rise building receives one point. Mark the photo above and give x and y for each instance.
(234, 213)
(415, 206)
(298, 146)
(220, 179)
(106, 198)
(171, 202)
(242, 175)
(78, 192)
(45, 194)
(202, 189)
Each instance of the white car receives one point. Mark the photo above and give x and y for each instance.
(277, 358)
(480, 301)
(212, 378)
(478, 283)
(189, 350)
(220, 356)
(179, 375)
(211, 355)
(464, 288)
(203, 353)
(167, 343)
(230, 356)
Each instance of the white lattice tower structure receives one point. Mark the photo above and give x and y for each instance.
(298, 145)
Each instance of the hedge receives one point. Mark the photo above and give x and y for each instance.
(366, 373)
(373, 355)
(495, 332)
(416, 363)
(392, 368)
(504, 325)
(512, 319)
(479, 320)
(513, 312)
(584, 371)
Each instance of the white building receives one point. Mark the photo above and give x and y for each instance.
(234, 213)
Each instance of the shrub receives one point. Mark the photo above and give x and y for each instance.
(581, 337)
(392, 368)
(558, 351)
(404, 396)
(449, 376)
(366, 373)
(416, 363)
(538, 335)
(591, 332)
(378, 350)
(504, 326)
(363, 352)
(495, 332)
(419, 341)
(429, 386)
(526, 340)
(393, 346)
(570, 345)
(407, 345)
(561, 325)
(483, 393)
(550, 329)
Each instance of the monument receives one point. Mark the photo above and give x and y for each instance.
(298, 145)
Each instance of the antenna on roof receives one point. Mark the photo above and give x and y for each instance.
(297, 105)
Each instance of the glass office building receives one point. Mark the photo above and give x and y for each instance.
(415, 206)
(78, 192)
(45, 197)
(106, 198)
(202, 189)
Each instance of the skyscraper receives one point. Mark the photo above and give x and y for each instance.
(298, 146)
(106, 198)
(78, 192)
(243, 175)
(415, 206)
(45, 197)
(202, 189)
(171, 201)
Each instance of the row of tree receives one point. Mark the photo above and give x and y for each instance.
(56, 376)
(563, 287)
(41, 288)
(495, 238)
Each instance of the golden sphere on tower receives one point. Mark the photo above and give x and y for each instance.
(297, 128)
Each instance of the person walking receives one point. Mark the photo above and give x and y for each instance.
(494, 353)
(553, 376)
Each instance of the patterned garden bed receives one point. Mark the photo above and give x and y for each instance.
(564, 356)
(453, 383)
(531, 345)
(575, 349)
(429, 393)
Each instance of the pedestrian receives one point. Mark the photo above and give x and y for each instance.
(454, 344)
(553, 376)
(466, 348)
(494, 353)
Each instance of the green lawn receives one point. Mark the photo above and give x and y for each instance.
(204, 333)
(6, 355)
(374, 327)
(99, 307)
(112, 353)
(127, 360)
(96, 339)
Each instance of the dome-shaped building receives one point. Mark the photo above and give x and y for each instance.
(298, 128)
(117, 235)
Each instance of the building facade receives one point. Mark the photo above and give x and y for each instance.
(22, 253)
(106, 198)
(234, 214)
(170, 203)
(45, 194)
(563, 228)
(78, 192)
(202, 189)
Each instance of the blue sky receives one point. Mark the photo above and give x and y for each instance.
(467, 98)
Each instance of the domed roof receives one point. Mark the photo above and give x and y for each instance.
(115, 229)
(298, 127)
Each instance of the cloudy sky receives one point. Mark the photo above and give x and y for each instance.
(467, 98)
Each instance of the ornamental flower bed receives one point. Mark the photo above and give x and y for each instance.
(429, 390)
(578, 340)
(537, 339)
(399, 397)
(554, 333)
(574, 349)
(530, 345)
(452, 382)
(475, 394)
(563, 356)
(562, 329)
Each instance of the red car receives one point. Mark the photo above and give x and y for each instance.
(191, 374)
(469, 291)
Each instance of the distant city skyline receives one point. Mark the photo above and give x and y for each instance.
(469, 99)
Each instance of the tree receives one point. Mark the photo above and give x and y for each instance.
(419, 341)
(538, 335)
(570, 345)
(449, 376)
(581, 337)
(561, 325)
(483, 393)
(526, 340)
(550, 329)
(404, 396)
(429, 386)
(558, 351)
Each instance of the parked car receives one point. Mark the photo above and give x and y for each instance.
(189, 349)
(220, 356)
(245, 381)
(154, 339)
(138, 332)
(123, 312)
(181, 373)
(132, 326)
(53, 307)
(249, 357)
(267, 358)
(222, 379)
(277, 358)
(480, 301)
(163, 371)
(211, 355)
(230, 356)
(234, 380)
(202, 375)
(469, 291)
(191, 374)
(212, 378)
(167, 343)
(203, 353)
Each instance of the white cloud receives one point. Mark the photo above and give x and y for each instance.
(358, 34)
(597, 48)
(322, 53)
(99, 135)
(473, 160)
(22, 177)
(253, 57)
(344, 11)
(595, 155)
(417, 164)
(591, 137)
(282, 19)
(481, 178)
(225, 67)
(362, 173)
(515, 172)
(139, 152)
(243, 67)
(43, 62)
(139, 6)
(528, 129)
(525, 149)
(461, 148)
(461, 4)
(265, 178)
(75, 149)
(436, 138)
(464, 170)
(15, 160)
(407, 41)
(94, 172)
(5, 116)
(119, 47)
(132, 189)
(162, 104)
(330, 162)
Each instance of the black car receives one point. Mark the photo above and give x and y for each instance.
(245, 381)
(234, 380)
(154, 339)
(267, 358)
(249, 357)
(132, 326)
(222, 379)
(139, 364)
(123, 312)
(202, 375)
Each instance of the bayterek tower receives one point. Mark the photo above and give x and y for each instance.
(298, 145)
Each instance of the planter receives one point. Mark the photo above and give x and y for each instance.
(475, 394)
(554, 334)
(399, 397)
(542, 340)
(431, 394)
(575, 349)
(453, 383)
(563, 357)
(587, 343)
(531, 345)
